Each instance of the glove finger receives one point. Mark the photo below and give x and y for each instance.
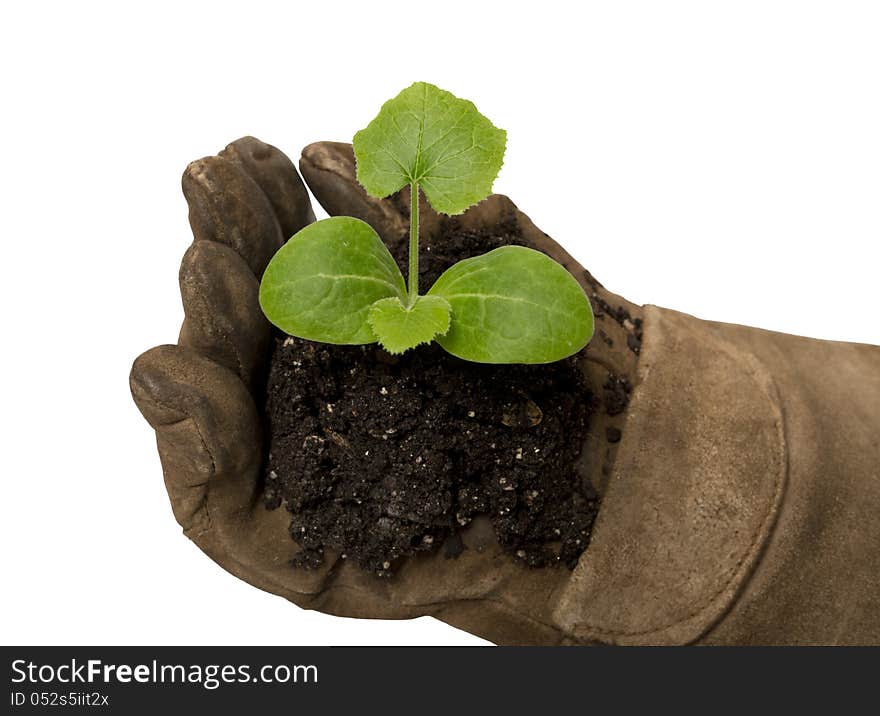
(208, 436)
(329, 170)
(494, 212)
(498, 213)
(223, 320)
(207, 431)
(275, 174)
(227, 206)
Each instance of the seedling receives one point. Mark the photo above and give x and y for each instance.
(336, 282)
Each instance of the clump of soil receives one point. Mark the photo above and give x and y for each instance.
(378, 457)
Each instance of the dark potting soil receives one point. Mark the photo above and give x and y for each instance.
(378, 457)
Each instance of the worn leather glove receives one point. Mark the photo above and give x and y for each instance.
(740, 506)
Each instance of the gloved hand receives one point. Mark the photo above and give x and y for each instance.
(740, 504)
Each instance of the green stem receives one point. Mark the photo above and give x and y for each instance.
(413, 245)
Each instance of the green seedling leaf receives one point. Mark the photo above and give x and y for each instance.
(336, 282)
(400, 328)
(513, 305)
(321, 283)
(429, 137)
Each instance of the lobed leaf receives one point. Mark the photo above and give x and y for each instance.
(513, 305)
(400, 328)
(429, 136)
(321, 283)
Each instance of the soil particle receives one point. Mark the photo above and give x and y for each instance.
(615, 394)
(632, 326)
(379, 457)
(605, 338)
(634, 342)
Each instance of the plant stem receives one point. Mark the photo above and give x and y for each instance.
(413, 244)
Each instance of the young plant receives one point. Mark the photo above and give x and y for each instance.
(336, 282)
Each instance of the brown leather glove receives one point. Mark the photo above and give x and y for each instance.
(739, 507)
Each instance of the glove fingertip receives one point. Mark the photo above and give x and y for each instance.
(207, 429)
(329, 170)
(145, 383)
(278, 178)
(495, 210)
(227, 206)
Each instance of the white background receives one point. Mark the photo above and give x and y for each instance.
(721, 158)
